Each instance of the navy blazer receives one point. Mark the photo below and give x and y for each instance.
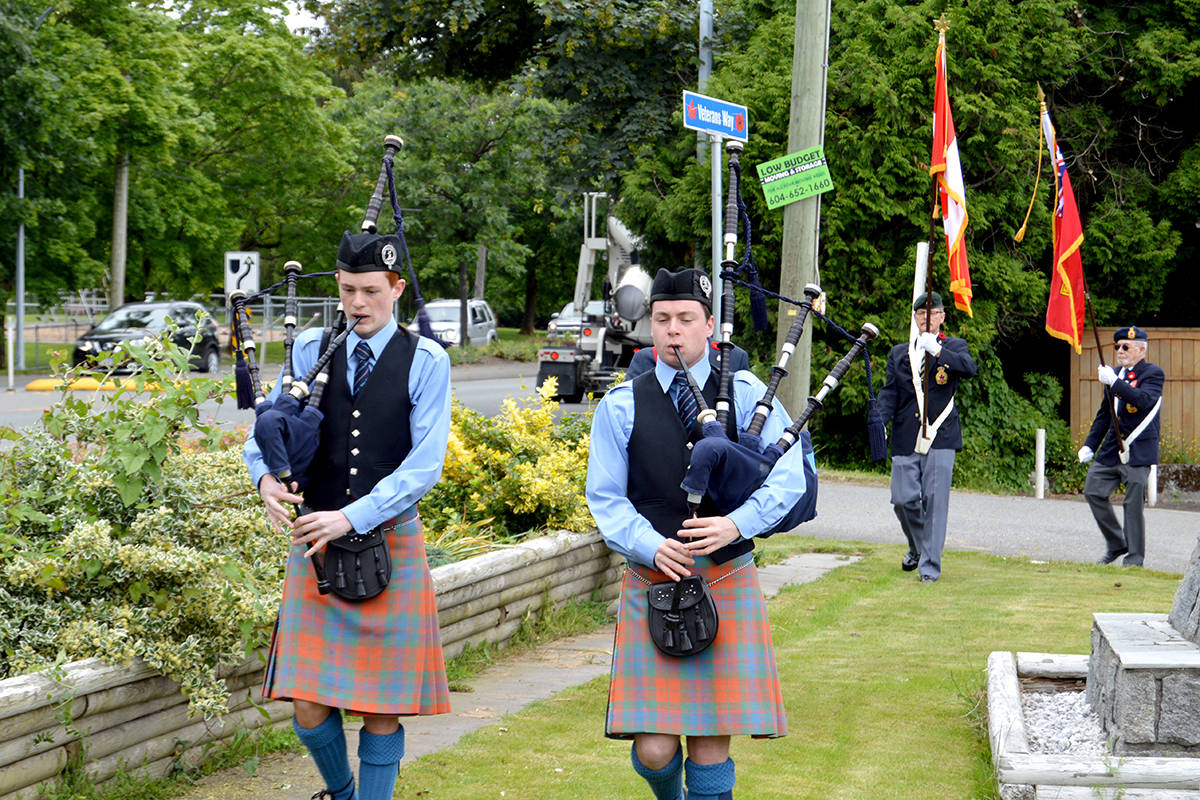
(1137, 392)
(897, 401)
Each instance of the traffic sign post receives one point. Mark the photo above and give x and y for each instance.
(241, 271)
(720, 119)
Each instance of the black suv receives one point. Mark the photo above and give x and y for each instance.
(140, 321)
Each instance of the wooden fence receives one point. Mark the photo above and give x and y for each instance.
(1176, 350)
(130, 718)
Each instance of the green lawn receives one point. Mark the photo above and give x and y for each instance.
(884, 683)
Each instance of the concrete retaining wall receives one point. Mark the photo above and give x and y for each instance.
(133, 719)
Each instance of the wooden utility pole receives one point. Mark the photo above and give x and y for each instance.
(806, 128)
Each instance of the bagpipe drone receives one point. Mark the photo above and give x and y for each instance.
(729, 471)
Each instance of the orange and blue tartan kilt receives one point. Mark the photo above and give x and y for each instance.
(381, 657)
(730, 688)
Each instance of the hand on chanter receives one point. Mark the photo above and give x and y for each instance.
(709, 534)
(318, 529)
(274, 496)
(673, 559)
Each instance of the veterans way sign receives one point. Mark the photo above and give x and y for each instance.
(711, 115)
(794, 177)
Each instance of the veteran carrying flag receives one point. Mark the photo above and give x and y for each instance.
(945, 168)
(1069, 299)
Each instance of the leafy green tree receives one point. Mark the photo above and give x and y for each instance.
(471, 168)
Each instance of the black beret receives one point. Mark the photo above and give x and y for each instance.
(369, 252)
(1133, 333)
(687, 284)
(919, 303)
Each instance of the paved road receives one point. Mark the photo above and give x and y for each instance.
(482, 387)
(1004, 525)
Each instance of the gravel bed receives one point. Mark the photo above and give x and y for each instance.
(1062, 722)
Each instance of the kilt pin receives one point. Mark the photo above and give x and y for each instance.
(731, 688)
(379, 657)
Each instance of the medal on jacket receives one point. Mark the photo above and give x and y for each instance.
(940, 376)
(1130, 408)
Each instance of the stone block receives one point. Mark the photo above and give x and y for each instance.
(1135, 706)
(1185, 609)
(1179, 720)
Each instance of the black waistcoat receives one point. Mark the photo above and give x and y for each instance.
(364, 437)
(658, 458)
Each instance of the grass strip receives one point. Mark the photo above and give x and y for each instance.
(883, 680)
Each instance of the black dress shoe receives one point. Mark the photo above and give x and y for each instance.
(1111, 556)
(909, 563)
(928, 579)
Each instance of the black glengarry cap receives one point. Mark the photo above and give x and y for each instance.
(687, 284)
(369, 252)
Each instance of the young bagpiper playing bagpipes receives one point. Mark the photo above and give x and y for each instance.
(364, 637)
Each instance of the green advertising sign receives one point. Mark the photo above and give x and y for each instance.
(794, 177)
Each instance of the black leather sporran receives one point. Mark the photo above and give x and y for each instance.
(358, 566)
(683, 617)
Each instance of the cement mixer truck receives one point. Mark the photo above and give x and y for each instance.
(608, 340)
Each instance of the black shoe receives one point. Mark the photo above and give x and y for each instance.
(928, 579)
(1111, 556)
(910, 562)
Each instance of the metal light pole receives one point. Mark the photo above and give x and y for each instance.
(20, 287)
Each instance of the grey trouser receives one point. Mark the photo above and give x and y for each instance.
(1102, 481)
(921, 497)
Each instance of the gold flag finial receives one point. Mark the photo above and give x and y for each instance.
(941, 24)
(1041, 95)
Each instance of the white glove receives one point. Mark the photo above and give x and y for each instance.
(1085, 454)
(1107, 375)
(929, 343)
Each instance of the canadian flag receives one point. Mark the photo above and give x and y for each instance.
(945, 166)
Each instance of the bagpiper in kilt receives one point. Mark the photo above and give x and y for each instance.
(381, 449)
(639, 454)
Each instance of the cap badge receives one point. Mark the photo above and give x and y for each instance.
(1132, 333)
(388, 254)
(705, 286)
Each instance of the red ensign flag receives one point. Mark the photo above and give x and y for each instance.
(944, 164)
(1064, 312)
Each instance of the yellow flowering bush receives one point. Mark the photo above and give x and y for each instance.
(521, 471)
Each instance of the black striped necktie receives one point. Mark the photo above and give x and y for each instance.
(685, 401)
(362, 368)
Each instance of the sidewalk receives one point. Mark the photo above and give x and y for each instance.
(504, 689)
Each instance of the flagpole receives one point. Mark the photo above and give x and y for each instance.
(941, 25)
(1087, 295)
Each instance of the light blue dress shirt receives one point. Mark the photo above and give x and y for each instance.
(628, 532)
(429, 391)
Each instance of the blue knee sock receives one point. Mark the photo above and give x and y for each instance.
(379, 760)
(710, 781)
(666, 783)
(327, 744)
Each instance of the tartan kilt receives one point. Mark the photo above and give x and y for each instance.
(380, 657)
(730, 688)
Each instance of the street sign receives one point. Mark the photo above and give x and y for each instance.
(241, 271)
(708, 114)
(794, 177)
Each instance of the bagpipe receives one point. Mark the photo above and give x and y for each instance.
(287, 428)
(729, 471)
